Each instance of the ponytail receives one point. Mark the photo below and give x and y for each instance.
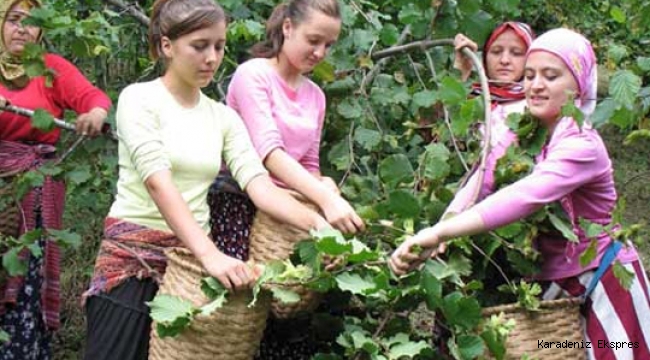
(271, 46)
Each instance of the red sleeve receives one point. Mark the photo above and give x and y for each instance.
(71, 89)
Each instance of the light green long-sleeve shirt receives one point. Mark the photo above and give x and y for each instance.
(156, 133)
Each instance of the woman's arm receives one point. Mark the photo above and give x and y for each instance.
(73, 91)
(278, 203)
(337, 211)
(405, 259)
(461, 62)
(232, 273)
(571, 162)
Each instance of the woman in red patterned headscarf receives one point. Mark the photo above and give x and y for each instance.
(504, 56)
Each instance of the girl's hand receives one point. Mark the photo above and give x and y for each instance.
(342, 216)
(461, 62)
(410, 255)
(234, 274)
(90, 123)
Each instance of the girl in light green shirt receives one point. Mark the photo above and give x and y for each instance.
(172, 140)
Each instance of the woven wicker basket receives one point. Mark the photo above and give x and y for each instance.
(9, 211)
(233, 332)
(274, 240)
(557, 320)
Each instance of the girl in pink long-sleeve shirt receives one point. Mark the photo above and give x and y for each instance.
(284, 112)
(574, 169)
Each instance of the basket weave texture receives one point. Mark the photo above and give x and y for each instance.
(557, 320)
(9, 211)
(271, 239)
(232, 332)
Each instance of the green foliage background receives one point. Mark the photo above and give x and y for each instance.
(381, 114)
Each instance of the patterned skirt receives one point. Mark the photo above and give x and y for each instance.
(24, 322)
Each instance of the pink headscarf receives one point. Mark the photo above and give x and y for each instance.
(578, 55)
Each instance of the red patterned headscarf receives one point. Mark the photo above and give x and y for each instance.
(515, 91)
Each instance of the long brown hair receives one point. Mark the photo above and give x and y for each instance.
(296, 11)
(175, 18)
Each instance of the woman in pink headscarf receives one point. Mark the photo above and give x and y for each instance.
(575, 170)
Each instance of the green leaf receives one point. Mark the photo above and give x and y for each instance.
(339, 155)
(363, 340)
(354, 283)
(389, 34)
(362, 38)
(434, 162)
(333, 246)
(464, 312)
(589, 254)
(624, 87)
(406, 349)
(35, 249)
(308, 252)
(43, 120)
(285, 296)
(571, 110)
(432, 289)
(349, 109)
(361, 252)
(564, 226)
(625, 277)
(624, 117)
(367, 138)
(591, 229)
(478, 25)
(4, 337)
(636, 136)
(617, 14)
(167, 308)
(79, 175)
(604, 111)
(424, 98)
(469, 6)
(171, 314)
(452, 91)
(643, 63)
(409, 14)
(511, 230)
(403, 203)
(395, 169)
(14, 265)
(324, 72)
(212, 306)
(65, 238)
(271, 270)
(470, 346)
(212, 288)
(505, 6)
(456, 267)
(617, 52)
